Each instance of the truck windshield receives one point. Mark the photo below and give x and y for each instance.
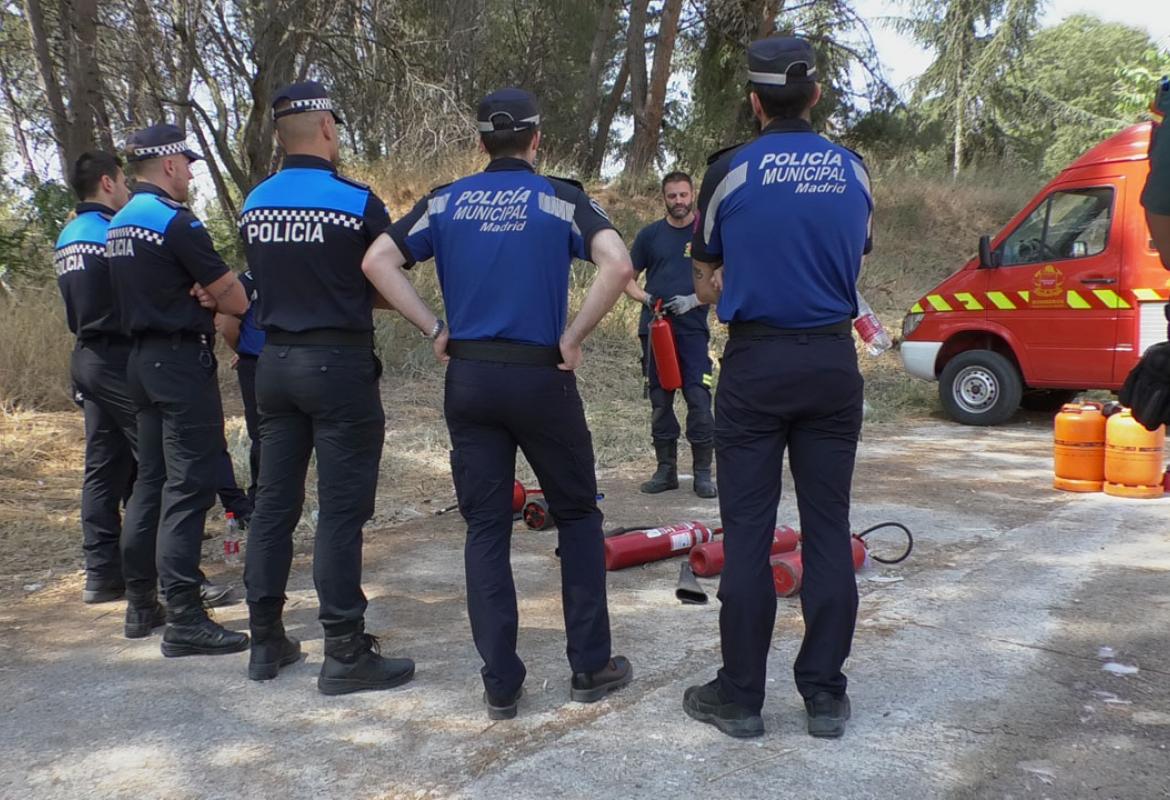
(1071, 223)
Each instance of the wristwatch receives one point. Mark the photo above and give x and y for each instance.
(435, 331)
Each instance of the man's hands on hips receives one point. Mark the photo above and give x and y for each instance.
(682, 303)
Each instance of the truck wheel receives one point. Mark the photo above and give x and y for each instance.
(980, 387)
(1048, 400)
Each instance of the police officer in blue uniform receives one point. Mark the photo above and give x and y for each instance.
(98, 368)
(305, 231)
(502, 241)
(663, 251)
(785, 219)
(160, 255)
(247, 340)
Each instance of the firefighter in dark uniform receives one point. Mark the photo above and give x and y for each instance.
(305, 230)
(160, 255)
(98, 368)
(785, 219)
(502, 241)
(247, 340)
(663, 251)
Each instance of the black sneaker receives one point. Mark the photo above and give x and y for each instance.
(502, 707)
(141, 620)
(214, 595)
(201, 637)
(706, 704)
(589, 687)
(827, 714)
(353, 663)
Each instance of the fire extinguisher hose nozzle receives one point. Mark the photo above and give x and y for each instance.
(909, 541)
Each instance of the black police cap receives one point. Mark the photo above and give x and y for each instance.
(304, 97)
(507, 110)
(158, 141)
(780, 61)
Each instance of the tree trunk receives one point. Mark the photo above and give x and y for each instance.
(644, 147)
(636, 57)
(959, 101)
(16, 115)
(86, 78)
(605, 121)
(58, 116)
(598, 58)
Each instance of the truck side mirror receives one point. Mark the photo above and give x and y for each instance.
(987, 257)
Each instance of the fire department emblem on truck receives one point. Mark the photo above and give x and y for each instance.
(1048, 287)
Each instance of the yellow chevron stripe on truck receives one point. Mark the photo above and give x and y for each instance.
(1021, 300)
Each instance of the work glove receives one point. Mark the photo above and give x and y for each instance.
(681, 304)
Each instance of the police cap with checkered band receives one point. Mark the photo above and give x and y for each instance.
(507, 110)
(781, 61)
(301, 98)
(159, 141)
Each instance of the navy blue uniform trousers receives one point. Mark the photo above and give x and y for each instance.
(98, 369)
(695, 365)
(323, 399)
(173, 381)
(492, 409)
(802, 393)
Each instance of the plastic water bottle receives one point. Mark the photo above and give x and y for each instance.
(870, 329)
(231, 540)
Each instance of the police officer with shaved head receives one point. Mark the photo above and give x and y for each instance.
(305, 231)
(98, 368)
(785, 221)
(503, 241)
(160, 257)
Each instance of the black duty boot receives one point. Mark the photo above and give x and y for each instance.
(666, 476)
(704, 485)
(589, 687)
(827, 714)
(143, 614)
(502, 707)
(272, 648)
(706, 703)
(190, 632)
(354, 664)
(98, 591)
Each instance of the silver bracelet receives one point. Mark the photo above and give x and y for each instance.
(435, 331)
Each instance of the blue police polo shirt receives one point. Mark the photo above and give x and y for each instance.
(83, 274)
(789, 216)
(156, 250)
(251, 337)
(305, 231)
(503, 240)
(664, 252)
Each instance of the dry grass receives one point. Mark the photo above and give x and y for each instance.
(34, 351)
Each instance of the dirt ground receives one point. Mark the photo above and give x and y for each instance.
(978, 668)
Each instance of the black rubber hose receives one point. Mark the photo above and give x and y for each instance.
(901, 527)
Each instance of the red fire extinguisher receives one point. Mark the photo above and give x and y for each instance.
(663, 349)
(707, 559)
(788, 570)
(640, 547)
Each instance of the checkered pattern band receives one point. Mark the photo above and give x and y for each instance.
(301, 106)
(301, 215)
(160, 150)
(81, 249)
(134, 232)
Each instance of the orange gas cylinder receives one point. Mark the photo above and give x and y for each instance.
(1078, 448)
(1133, 457)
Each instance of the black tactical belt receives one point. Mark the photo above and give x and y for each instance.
(322, 337)
(103, 340)
(504, 352)
(247, 357)
(173, 339)
(759, 329)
